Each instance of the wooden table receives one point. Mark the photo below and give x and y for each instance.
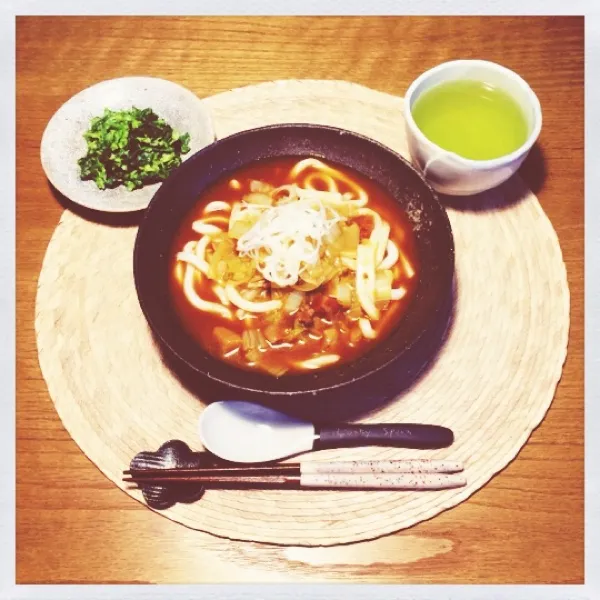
(74, 525)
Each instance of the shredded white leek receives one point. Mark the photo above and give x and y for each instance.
(287, 238)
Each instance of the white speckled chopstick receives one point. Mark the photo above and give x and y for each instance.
(382, 466)
(395, 481)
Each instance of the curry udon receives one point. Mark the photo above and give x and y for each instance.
(292, 264)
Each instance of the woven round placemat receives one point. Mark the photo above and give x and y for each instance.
(492, 381)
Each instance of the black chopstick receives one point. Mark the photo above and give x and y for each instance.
(142, 473)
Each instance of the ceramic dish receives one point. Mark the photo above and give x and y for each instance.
(179, 193)
(63, 143)
(449, 173)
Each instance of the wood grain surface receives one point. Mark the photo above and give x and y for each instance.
(75, 526)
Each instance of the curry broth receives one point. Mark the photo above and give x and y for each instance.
(201, 325)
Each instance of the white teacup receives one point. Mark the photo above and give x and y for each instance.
(449, 173)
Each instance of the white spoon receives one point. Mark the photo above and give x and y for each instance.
(245, 432)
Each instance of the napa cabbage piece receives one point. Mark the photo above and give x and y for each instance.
(343, 293)
(383, 285)
(293, 302)
(226, 339)
(342, 288)
(334, 200)
(225, 265)
(347, 208)
(331, 336)
(253, 343)
(260, 186)
(242, 219)
(346, 240)
(350, 238)
(258, 198)
(321, 272)
(304, 286)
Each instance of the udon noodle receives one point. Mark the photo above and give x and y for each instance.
(293, 265)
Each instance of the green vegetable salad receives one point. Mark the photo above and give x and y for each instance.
(132, 148)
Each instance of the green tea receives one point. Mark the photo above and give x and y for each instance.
(471, 118)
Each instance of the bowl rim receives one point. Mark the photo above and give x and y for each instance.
(289, 390)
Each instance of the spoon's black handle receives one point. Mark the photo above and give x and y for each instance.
(385, 434)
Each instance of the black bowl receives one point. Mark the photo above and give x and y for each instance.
(399, 355)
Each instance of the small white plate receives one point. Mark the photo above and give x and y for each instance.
(63, 143)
